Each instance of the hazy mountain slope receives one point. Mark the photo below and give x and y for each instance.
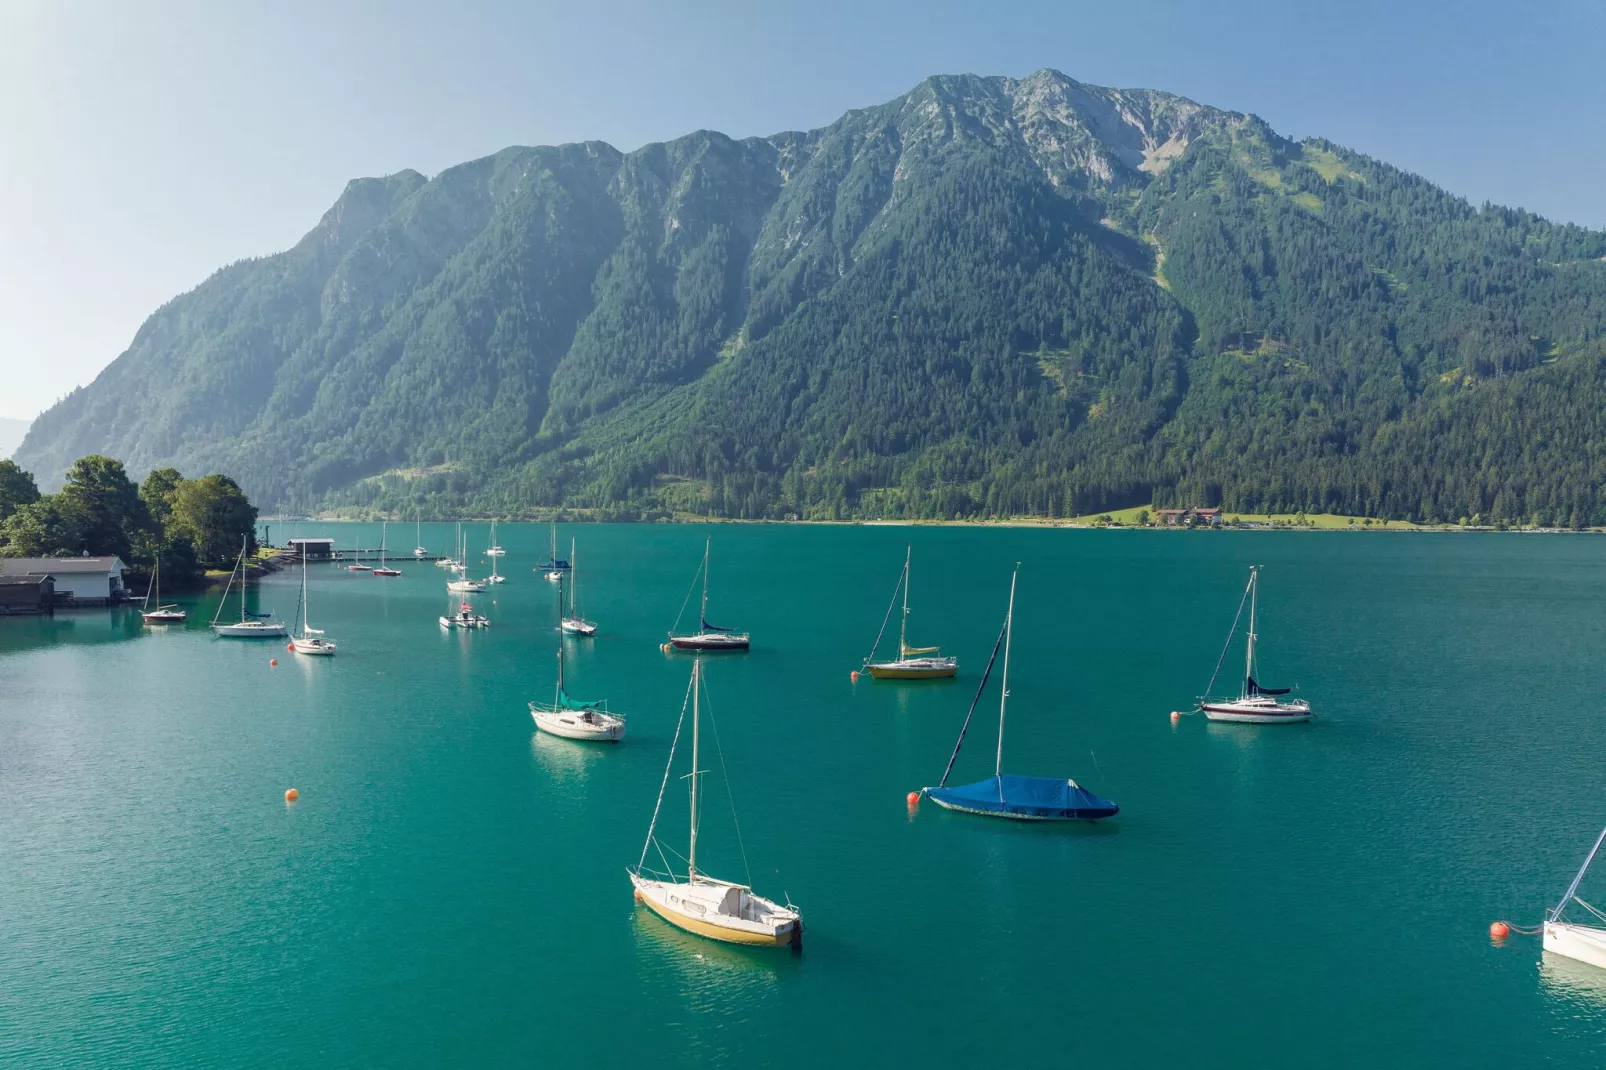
(989, 295)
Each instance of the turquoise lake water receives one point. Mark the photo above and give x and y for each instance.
(450, 889)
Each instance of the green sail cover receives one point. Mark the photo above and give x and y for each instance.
(569, 703)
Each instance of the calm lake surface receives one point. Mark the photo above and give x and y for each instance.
(450, 889)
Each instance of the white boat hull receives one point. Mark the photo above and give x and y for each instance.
(587, 725)
(465, 622)
(571, 626)
(710, 641)
(465, 587)
(1580, 942)
(1257, 711)
(313, 646)
(726, 912)
(165, 616)
(251, 630)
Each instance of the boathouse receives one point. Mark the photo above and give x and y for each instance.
(1188, 517)
(316, 549)
(76, 581)
(26, 594)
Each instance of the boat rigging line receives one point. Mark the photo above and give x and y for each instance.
(960, 742)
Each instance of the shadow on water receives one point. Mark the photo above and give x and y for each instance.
(1573, 981)
(75, 626)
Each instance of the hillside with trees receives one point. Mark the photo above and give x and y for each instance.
(988, 297)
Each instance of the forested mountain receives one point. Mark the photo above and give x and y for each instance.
(989, 296)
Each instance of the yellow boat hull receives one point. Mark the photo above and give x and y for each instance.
(892, 672)
(716, 932)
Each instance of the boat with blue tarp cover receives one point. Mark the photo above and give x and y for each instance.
(1019, 798)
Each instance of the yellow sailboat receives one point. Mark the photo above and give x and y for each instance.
(913, 662)
(707, 906)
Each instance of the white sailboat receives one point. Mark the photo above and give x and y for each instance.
(356, 563)
(495, 552)
(382, 569)
(1586, 943)
(573, 623)
(912, 662)
(707, 906)
(248, 627)
(708, 637)
(463, 585)
(309, 640)
(553, 566)
(1255, 704)
(158, 613)
(573, 719)
(418, 538)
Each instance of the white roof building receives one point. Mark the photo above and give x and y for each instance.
(83, 579)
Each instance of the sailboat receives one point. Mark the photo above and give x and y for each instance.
(356, 564)
(493, 553)
(573, 623)
(1586, 943)
(912, 662)
(554, 566)
(465, 617)
(418, 538)
(160, 614)
(1019, 798)
(248, 628)
(573, 719)
(708, 636)
(1254, 704)
(463, 585)
(383, 569)
(309, 640)
(719, 910)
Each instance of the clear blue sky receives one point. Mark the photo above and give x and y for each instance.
(142, 146)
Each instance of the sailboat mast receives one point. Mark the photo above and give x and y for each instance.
(702, 620)
(1249, 654)
(557, 695)
(1003, 692)
(696, 689)
(903, 625)
(306, 615)
(244, 542)
(574, 579)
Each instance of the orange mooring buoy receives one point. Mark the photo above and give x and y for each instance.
(290, 647)
(291, 795)
(1499, 930)
(273, 661)
(913, 798)
(1175, 716)
(854, 676)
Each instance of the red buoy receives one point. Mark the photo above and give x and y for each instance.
(1499, 930)
(1175, 716)
(273, 661)
(854, 676)
(291, 795)
(913, 798)
(290, 647)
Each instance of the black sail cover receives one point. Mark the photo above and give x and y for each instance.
(1252, 688)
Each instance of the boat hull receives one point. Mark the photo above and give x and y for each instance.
(313, 647)
(656, 896)
(578, 627)
(250, 630)
(1581, 943)
(915, 669)
(1239, 713)
(387, 572)
(573, 724)
(468, 623)
(165, 617)
(709, 641)
(1008, 815)
(1025, 798)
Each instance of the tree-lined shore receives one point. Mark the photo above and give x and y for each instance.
(190, 525)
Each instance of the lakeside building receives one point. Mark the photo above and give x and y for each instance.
(75, 581)
(28, 595)
(316, 549)
(1188, 517)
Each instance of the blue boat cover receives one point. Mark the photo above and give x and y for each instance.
(1027, 796)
